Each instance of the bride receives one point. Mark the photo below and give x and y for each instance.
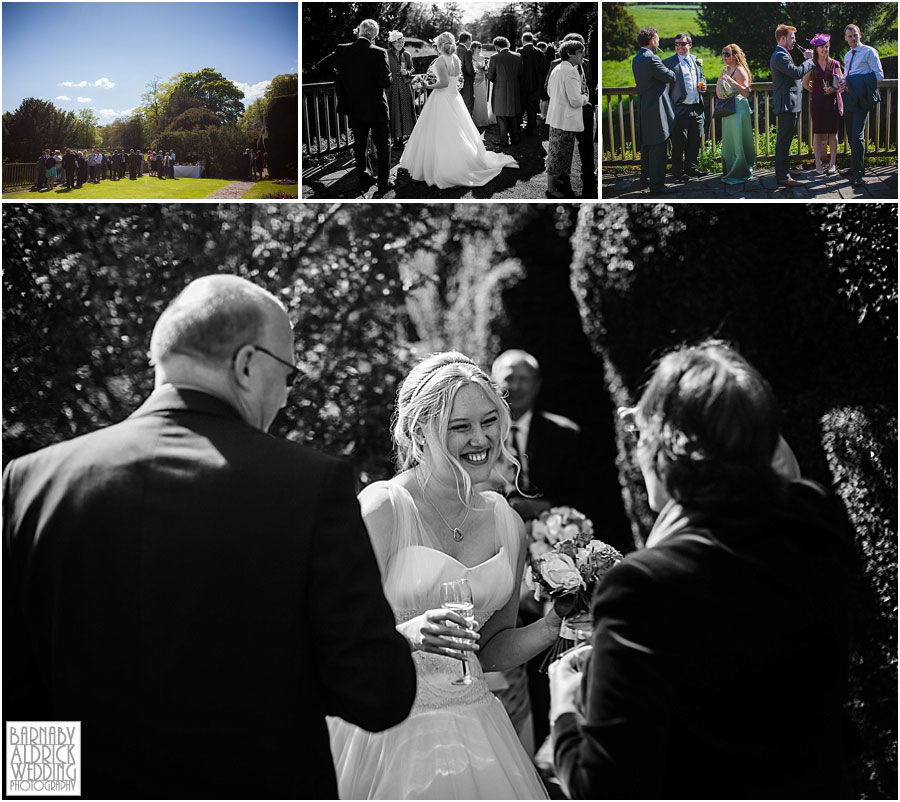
(429, 525)
(445, 149)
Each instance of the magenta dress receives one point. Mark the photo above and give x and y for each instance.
(826, 110)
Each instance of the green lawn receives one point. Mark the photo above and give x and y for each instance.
(143, 188)
(269, 187)
(618, 73)
(669, 19)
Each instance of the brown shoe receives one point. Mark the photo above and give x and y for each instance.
(789, 182)
(795, 173)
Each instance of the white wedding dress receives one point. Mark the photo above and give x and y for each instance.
(445, 148)
(458, 741)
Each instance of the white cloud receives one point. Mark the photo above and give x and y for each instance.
(63, 97)
(107, 113)
(84, 100)
(70, 83)
(252, 91)
(127, 111)
(105, 83)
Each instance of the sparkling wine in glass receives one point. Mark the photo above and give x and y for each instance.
(457, 596)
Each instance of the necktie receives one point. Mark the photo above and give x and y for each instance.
(850, 62)
(517, 452)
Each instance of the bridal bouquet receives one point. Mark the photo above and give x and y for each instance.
(566, 561)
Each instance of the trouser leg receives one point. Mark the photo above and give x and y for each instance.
(787, 123)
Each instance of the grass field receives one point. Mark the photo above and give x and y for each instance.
(668, 18)
(142, 189)
(268, 188)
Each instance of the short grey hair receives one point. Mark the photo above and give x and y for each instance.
(516, 356)
(211, 318)
(368, 28)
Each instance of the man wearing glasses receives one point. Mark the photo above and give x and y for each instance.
(197, 593)
(687, 99)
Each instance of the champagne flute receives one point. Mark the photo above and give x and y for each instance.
(456, 595)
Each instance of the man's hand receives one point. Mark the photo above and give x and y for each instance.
(807, 54)
(565, 677)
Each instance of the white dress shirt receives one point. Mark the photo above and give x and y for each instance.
(688, 71)
(865, 59)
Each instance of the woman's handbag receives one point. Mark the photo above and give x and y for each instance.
(725, 108)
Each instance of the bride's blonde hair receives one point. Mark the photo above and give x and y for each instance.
(446, 43)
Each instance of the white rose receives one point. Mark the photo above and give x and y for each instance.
(569, 531)
(554, 526)
(559, 571)
(538, 530)
(538, 548)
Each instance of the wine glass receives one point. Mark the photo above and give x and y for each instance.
(456, 595)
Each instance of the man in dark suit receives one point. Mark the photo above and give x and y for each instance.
(584, 138)
(551, 452)
(787, 98)
(197, 593)
(363, 75)
(718, 665)
(532, 80)
(133, 165)
(70, 165)
(653, 80)
(862, 72)
(464, 54)
(505, 73)
(687, 101)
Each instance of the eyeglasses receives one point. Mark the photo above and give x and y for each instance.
(681, 44)
(726, 54)
(293, 373)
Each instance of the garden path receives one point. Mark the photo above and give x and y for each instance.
(232, 191)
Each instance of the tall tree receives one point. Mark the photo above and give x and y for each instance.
(86, 129)
(282, 85)
(214, 92)
(35, 125)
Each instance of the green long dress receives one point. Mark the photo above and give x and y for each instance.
(738, 152)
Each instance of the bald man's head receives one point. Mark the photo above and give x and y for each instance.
(212, 317)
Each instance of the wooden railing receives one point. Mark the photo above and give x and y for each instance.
(19, 175)
(619, 128)
(326, 131)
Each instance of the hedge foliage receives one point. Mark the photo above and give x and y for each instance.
(813, 306)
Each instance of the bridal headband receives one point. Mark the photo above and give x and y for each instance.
(431, 373)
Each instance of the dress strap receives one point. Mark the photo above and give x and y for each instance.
(507, 527)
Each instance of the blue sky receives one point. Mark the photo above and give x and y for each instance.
(101, 55)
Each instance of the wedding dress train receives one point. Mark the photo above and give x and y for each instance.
(458, 742)
(445, 148)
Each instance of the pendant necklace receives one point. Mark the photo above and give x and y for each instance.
(458, 534)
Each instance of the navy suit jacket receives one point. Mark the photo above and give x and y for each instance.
(653, 80)
(787, 95)
(200, 595)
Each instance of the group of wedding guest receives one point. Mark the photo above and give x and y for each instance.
(672, 107)
(75, 168)
(254, 163)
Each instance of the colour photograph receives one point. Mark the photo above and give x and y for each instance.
(128, 101)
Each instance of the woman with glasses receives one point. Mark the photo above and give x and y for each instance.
(403, 116)
(738, 150)
(825, 104)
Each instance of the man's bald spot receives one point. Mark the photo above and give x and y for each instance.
(212, 316)
(514, 357)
